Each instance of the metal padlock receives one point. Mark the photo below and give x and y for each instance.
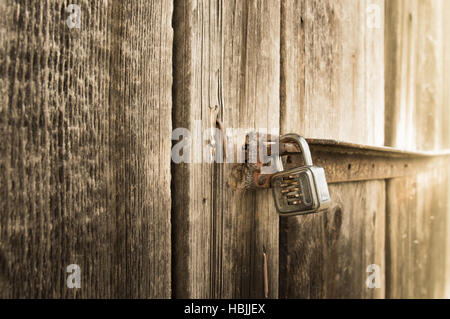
(300, 190)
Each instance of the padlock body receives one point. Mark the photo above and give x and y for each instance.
(300, 190)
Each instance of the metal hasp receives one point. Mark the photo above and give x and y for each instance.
(347, 162)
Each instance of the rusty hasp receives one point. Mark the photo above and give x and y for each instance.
(343, 162)
(347, 162)
(261, 159)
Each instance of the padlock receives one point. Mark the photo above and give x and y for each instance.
(300, 190)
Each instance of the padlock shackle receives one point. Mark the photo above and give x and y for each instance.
(301, 142)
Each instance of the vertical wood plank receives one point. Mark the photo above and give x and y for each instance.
(332, 84)
(445, 109)
(221, 235)
(417, 117)
(417, 214)
(447, 240)
(417, 55)
(332, 87)
(85, 149)
(326, 255)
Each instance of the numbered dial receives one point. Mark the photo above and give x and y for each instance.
(293, 192)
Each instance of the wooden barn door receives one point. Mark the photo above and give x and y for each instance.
(316, 68)
(86, 122)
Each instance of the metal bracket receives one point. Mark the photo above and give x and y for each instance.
(348, 162)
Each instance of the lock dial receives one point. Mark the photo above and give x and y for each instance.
(293, 192)
(295, 189)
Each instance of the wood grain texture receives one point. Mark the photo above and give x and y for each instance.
(417, 65)
(332, 87)
(417, 117)
(220, 236)
(85, 149)
(445, 109)
(417, 243)
(447, 254)
(326, 255)
(332, 83)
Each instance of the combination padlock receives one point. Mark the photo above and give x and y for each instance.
(300, 190)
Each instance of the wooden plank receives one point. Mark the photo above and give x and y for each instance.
(445, 109)
(85, 149)
(417, 117)
(447, 255)
(221, 235)
(417, 218)
(332, 88)
(346, 168)
(417, 103)
(332, 250)
(345, 162)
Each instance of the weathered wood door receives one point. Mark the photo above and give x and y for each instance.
(86, 121)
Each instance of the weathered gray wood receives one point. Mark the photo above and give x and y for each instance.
(445, 109)
(347, 162)
(332, 87)
(417, 219)
(332, 84)
(85, 148)
(417, 117)
(221, 235)
(326, 255)
(447, 255)
(417, 67)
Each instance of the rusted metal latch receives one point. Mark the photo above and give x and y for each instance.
(296, 191)
(260, 157)
(342, 162)
(263, 158)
